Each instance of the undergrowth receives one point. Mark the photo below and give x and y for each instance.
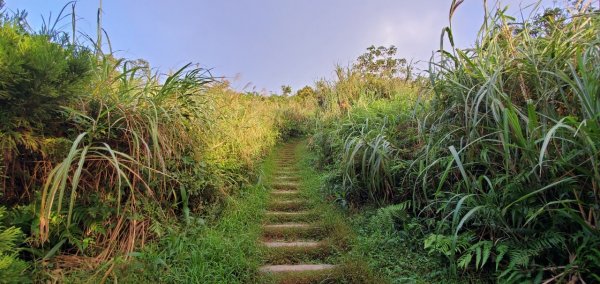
(497, 156)
(218, 247)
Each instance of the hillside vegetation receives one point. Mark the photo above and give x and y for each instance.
(101, 154)
(482, 168)
(494, 166)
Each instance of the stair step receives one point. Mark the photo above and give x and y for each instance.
(283, 213)
(288, 201)
(285, 185)
(288, 205)
(295, 268)
(284, 176)
(289, 226)
(298, 244)
(287, 172)
(285, 192)
(275, 217)
(286, 180)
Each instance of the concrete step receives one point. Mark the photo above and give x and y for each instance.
(294, 201)
(289, 226)
(286, 268)
(285, 196)
(294, 216)
(285, 192)
(286, 179)
(286, 175)
(297, 244)
(283, 213)
(285, 185)
(286, 172)
(289, 205)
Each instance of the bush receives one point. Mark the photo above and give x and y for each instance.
(37, 79)
(12, 269)
(503, 157)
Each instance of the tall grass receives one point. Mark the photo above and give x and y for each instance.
(504, 156)
(115, 151)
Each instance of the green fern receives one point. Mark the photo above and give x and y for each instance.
(442, 244)
(12, 269)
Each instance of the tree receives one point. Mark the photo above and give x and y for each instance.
(37, 78)
(286, 90)
(380, 62)
(306, 92)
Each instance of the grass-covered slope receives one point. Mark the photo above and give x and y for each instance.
(101, 155)
(498, 158)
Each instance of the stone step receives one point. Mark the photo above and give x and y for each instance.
(286, 268)
(289, 226)
(286, 172)
(296, 244)
(286, 176)
(285, 192)
(283, 213)
(275, 217)
(284, 202)
(295, 174)
(285, 185)
(286, 199)
(289, 205)
(286, 179)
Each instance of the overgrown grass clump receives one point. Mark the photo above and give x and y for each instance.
(499, 156)
(224, 250)
(99, 153)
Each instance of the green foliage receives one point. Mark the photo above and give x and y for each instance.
(390, 241)
(207, 253)
(286, 90)
(371, 149)
(37, 77)
(12, 269)
(502, 159)
(380, 62)
(102, 151)
(307, 92)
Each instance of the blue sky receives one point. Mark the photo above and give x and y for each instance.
(263, 44)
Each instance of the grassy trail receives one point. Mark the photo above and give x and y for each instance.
(304, 240)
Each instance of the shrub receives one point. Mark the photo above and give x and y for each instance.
(12, 269)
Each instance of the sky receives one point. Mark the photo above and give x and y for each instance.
(260, 45)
